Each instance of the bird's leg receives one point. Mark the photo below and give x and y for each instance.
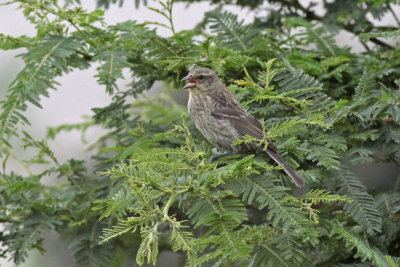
(218, 156)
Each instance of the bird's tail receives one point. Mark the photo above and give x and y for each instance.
(289, 171)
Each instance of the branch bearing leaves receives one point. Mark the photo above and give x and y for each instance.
(29, 236)
(159, 176)
(323, 156)
(222, 216)
(290, 79)
(364, 250)
(85, 247)
(263, 192)
(44, 61)
(363, 208)
(229, 31)
(113, 61)
(316, 33)
(386, 34)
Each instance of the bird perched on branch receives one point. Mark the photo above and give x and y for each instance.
(221, 119)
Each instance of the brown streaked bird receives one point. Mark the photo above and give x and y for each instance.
(221, 119)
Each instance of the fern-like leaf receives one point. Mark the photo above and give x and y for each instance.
(222, 216)
(317, 33)
(44, 61)
(364, 250)
(263, 191)
(363, 207)
(117, 230)
(387, 34)
(113, 60)
(365, 85)
(290, 79)
(323, 156)
(85, 246)
(230, 32)
(28, 237)
(117, 204)
(278, 249)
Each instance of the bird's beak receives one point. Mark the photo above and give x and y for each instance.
(192, 83)
(186, 78)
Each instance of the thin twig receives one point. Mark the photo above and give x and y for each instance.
(85, 36)
(310, 15)
(393, 14)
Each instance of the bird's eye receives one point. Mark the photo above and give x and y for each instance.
(201, 77)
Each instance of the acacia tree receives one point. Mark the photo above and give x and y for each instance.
(327, 108)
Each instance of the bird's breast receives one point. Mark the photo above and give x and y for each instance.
(219, 132)
(199, 104)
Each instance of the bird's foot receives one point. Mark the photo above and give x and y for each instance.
(218, 156)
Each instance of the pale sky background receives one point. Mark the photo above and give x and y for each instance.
(79, 91)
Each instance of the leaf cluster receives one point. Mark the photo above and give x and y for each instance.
(327, 109)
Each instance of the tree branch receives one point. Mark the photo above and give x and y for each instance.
(393, 14)
(310, 15)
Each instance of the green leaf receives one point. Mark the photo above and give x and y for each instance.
(229, 31)
(113, 61)
(363, 208)
(263, 192)
(364, 250)
(387, 34)
(44, 61)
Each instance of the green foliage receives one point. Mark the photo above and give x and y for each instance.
(113, 61)
(326, 108)
(229, 31)
(388, 34)
(314, 34)
(44, 60)
(362, 209)
(364, 250)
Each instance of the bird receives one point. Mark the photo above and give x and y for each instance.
(221, 119)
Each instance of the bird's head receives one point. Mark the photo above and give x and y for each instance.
(201, 79)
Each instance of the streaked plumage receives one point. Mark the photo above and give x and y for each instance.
(221, 119)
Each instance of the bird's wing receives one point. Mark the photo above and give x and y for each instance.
(228, 108)
(243, 122)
